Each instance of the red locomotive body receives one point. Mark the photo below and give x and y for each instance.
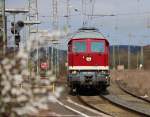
(88, 60)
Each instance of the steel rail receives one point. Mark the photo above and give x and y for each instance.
(115, 99)
(92, 107)
(111, 102)
(129, 92)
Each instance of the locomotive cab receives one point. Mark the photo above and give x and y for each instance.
(88, 61)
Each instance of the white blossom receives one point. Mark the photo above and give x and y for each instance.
(43, 90)
(6, 88)
(41, 103)
(18, 79)
(8, 66)
(7, 99)
(1, 70)
(4, 76)
(52, 98)
(15, 71)
(22, 54)
(37, 90)
(52, 78)
(16, 90)
(25, 72)
(12, 62)
(8, 73)
(45, 81)
(23, 63)
(50, 72)
(5, 61)
(22, 98)
(58, 91)
(19, 111)
(2, 109)
(31, 109)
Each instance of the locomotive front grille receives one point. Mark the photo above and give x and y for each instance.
(88, 78)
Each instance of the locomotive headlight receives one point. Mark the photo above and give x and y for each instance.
(74, 72)
(104, 72)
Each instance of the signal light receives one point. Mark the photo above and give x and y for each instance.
(16, 27)
(12, 23)
(74, 72)
(20, 24)
(17, 39)
(13, 31)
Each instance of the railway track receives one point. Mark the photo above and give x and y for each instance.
(127, 99)
(118, 102)
(104, 106)
(120, 84)
(87, 102)
(72, 106)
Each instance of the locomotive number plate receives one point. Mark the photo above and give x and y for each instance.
(88, 59)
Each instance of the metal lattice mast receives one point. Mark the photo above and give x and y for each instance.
(129, 51)
(55, 14)
(33, 14)
(87, 11)
(55, 23)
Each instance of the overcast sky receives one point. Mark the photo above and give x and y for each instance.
(131, 23)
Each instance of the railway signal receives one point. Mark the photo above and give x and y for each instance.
(16, 26)
(15, 29)
(17, 39)
(44, 65)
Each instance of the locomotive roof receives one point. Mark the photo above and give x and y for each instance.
(87, 34)
(88, 28)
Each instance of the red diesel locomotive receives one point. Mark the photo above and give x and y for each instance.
(88, 60)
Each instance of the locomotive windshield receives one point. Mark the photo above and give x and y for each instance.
(97, 46)
(79, 46)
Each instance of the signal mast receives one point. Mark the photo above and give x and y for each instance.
(33, 14)
(55, 26)
(33, 26)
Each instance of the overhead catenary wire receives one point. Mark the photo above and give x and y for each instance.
(93, 4)
(68, 13)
